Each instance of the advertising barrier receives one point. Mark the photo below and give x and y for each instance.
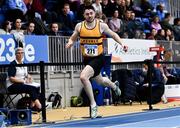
(36, 49)
(138, 50)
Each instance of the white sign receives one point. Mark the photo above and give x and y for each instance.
(138, 50)
(172, 91)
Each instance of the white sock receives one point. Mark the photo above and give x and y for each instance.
(93, 105)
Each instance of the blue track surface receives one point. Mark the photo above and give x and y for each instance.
(159, 118)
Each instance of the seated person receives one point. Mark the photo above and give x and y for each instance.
(143, 83)
(170, 78)
(21, 82)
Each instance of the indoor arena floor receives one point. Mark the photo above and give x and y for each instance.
(135, 116)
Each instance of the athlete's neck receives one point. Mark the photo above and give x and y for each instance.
(90, 24)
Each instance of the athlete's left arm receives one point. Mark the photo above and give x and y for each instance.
(105, 29)
(74, 36)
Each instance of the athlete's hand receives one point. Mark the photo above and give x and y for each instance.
(125, 48)
(69, 44)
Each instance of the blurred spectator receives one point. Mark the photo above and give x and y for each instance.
(97, 6)
(155, 23)
(133, 25)
(168, 71)
(16, 9)
(143, 36)
(153, 34)
(177, 29)
(6, 27)
(169, 35)
(17, 26)
(115, 23)
(99, 16)
(127, 15)
(74, 4)
(54, 30)
(126, 20)
(18, 33)
(120, 5)
(147, 8)
(66, 20)
(159, 57)
(160, 35)
(107, 8)
(36, 8)
(104, 18)
(30, 29)
(160, 11)
(125, 35)
(165, 22)
(81, 9)
(129, 5)
(139, 34)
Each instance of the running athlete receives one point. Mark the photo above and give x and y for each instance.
(91, 42)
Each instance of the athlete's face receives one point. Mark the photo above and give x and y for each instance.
(89, 15)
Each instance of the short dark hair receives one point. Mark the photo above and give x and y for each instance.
(89, 7)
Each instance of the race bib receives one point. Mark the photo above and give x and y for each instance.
(91, 50)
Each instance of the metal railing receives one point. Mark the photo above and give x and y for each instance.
(174, 8)
(59, 54)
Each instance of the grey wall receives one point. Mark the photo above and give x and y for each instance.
(62, 83)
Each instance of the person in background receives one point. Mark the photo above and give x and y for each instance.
(153, 34)
(106, 8)
(160, 35)
(54, 30)
(169, 35)
(155, 23)
(6, 27)
(90, 31)
(115, 23)
(176, 30)
(18, 27)
(97, 6)
(81, 9)
(147, 8)
(30, 29)
(157, 84)
(165, 23)
(21, 82)
(160, 11)
(67, 20)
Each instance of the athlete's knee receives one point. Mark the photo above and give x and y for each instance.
(101, 80)
(83, 77)
(105, 80)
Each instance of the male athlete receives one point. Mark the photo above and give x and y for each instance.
(91, 42)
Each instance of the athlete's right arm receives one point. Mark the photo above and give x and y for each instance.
(74, 36)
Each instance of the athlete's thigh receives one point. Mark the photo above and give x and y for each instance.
(87, 72)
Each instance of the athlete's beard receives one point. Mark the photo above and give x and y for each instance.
(90, 21)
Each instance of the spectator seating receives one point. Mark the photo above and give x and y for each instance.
(8, 97)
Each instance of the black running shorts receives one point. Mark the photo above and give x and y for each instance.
(96, 63)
